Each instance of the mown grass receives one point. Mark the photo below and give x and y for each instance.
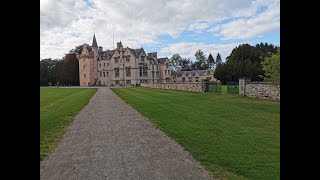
(58, 106)
(234, 137)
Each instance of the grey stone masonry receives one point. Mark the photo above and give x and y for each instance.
(195, 87)
(259, 90)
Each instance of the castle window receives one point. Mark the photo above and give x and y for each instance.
(208, 72)
(116, 59)
(99, 64)
(100, 74)
(128, 71)
(104, 74)
(165, 72)
(128, 58)
(84, 66)
(107, 64)
(84, 75)
(107, 74)
(142, 58)
(116, 72)
(145, 71)
(183, 79)
(167, 65)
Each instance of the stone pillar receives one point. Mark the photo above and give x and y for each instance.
(242, 85)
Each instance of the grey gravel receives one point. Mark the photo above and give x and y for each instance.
(110, 140)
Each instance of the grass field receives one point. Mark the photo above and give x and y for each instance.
(234, 137)
(58, 106)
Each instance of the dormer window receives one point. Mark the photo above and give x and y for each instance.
(208, 72)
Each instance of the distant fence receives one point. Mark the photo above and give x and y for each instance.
(232, 87)
(213, 87)
(260, 90)
(195, 87)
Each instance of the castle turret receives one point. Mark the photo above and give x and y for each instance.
(95, 57)
(119, 45)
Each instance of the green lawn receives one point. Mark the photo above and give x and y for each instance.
(234, 137)
(58, 106)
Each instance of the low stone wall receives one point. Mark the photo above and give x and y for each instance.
(263, 91)
(195, 87)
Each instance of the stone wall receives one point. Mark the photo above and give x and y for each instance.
(195, 87)
(259, 90)
(263, 91)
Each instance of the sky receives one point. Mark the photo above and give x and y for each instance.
(163, 26)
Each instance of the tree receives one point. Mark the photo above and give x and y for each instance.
(271, 67)
(180, 64)
(244, 61)
(48, 71)
(211, 61)
(201, 62)
(175, 62)
(218, 59)
(68, 68)
(185, 64)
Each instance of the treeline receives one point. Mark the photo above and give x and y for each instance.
(245, 61)
(63, 71)
(258, 63)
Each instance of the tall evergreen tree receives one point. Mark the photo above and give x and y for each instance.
(218, 59)
(211, 61)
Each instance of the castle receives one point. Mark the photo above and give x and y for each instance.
(121, 66)
(126, 67)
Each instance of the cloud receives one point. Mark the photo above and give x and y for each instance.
(187, 49)
(198, 26)
(68, 23)
(254, 26)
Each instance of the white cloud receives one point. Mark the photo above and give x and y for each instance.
(251, 27)
(198, 26)
(187, 49)
(68, 23)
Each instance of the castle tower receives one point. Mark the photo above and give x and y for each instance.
(95, 57)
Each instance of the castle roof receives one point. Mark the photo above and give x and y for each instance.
(108, 53)
(94, 42)
(136, 52)
(89, 48)
(162, 60)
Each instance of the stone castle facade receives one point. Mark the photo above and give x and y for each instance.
(127, 66)
(121, 66)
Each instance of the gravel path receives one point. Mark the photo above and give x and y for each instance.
(110, 140)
